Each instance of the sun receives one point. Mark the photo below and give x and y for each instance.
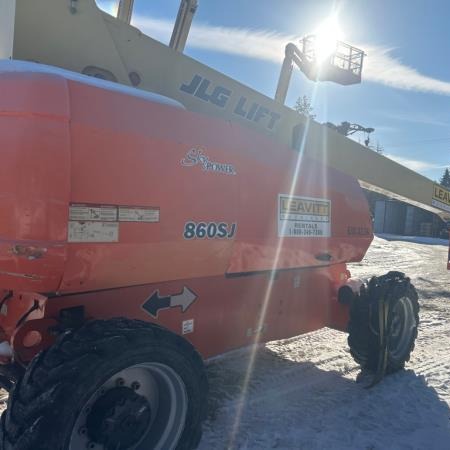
(326, 36)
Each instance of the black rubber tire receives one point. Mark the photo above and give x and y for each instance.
(363, 327)
(44, 405)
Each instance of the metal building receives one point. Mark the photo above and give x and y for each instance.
(395, 217)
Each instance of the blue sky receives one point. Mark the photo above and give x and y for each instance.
(405, 93)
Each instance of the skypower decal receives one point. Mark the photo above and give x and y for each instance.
(303, 216)
(196, 156)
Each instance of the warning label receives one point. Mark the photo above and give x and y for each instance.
(128, 214)
(441, 198)
(93, 212)
(93, 231)
(303, 216)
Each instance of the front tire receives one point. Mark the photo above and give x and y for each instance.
(117, 384)
(402, 322)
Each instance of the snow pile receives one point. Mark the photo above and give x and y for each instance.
(16, 66)
(416, 239)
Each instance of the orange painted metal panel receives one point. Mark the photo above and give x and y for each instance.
(110, 199)
(227, 313)
(35, 168)
(127, 151)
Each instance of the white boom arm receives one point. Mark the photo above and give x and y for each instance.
(125, 10)
(88, 40)
(7, 21)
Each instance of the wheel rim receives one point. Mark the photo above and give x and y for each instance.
(402, 328)
(141, 407)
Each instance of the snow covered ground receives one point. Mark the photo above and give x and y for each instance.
(303, 394)
(416, 239)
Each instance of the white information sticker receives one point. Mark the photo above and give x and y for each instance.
(102, 213)
(188, 326)
(303, 216)
(127, 214)
(93, 231)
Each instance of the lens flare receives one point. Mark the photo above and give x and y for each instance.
(242, 403)
(326, 36)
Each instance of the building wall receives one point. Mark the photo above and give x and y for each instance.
(390, 217)
(394, 217)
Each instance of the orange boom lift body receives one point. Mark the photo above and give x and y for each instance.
(155, 213)
(127, 206)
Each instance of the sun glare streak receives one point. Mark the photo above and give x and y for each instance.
(324, 155)
(268, 293)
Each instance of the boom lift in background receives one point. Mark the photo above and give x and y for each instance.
(347, 129)
(156, 213)
(343, 65)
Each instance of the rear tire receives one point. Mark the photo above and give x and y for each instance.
(403, 322)
(114, 384)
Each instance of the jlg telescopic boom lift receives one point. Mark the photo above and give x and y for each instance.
(156, 213)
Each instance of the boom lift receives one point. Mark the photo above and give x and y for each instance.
(347, 129)
(156, 213)
(124, 10)
(343, 65)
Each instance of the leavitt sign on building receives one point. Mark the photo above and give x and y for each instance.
(441, 198)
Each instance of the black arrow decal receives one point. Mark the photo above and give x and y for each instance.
(155, 303)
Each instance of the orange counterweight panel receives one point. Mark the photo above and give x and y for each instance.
(222, 313)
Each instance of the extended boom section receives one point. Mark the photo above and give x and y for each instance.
(93, 42)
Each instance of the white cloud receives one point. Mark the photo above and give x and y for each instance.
(414, 117)
(258, 44)
(382, 67)
(415, 164)
(385, 129)
(379, 65)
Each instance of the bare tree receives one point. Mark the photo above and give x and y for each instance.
(378, 148)
(303, 106)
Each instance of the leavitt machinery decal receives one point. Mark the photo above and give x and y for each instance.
(195, 156)
(303, 216)
(441, 198)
